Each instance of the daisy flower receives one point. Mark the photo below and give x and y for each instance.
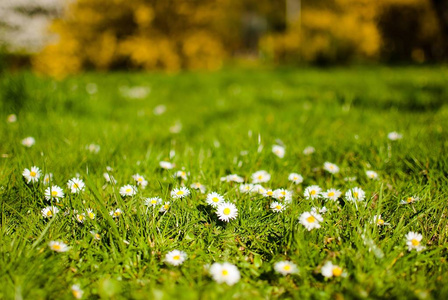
(175, 257)
(90, 213)
(309, 150)
(350, 179)
(159, 109)
(379, 221)
(214, 199)
(93, 148)
(154, 201)
(54, 192)
(312, 192)
(393, 136)
(165, 207)
(12, 118)
(181, 174)
(285, 267)
(282, 194)
(278, 150)
(260, 177)
(48, 178)
(277, 207)
(268, 193)
(76, 185)
(49, 211)
(140, 180)
(166, 165)
(226, 211)
(95, 235)
(80, 218)
(116, 213)
(355, 194)
(295, 178)
(329, 270)
(372, 174)
(331, 194)
(310, 220)
(28, 141)
(331, 168)
(76, 291)
(232, 178)
(225, 273)
(316, 210)
(32, 175)
(180, 193)
(410, 200)
(109, 178)
(128, 190)
(58, 246)
(258, 188)
(246, 188)
(413, 241)
(198, 186)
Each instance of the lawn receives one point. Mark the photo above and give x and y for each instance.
(99, 126)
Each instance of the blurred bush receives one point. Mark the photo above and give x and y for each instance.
(200, 34)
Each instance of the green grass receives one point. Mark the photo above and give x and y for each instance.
(345, 114)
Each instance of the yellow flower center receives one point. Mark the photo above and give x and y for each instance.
(91, 215)
(166, 206)
(295, 178)
(278, 207)
(270, 193)
(75, 186)
(226, 211)
(33, 174)
(330, 194)
(56, 247)
(153, 201)
(287, 267)
(180, 193)
(260, 177)
(117, 213)
(311, 219)
(355, 194)
(183, 174)
(380, 222)
(128, 190)
(176, 257)
(410, 199)
(54, 193)
(337, 271)
(97, 236)
(415, 242)
(215, 199)
(225, 272)
(80, 217)
(313, 192)
(140, 179)
(76, 294)
(283, 193)
(49, 213)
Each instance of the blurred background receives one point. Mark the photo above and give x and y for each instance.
(61, 37)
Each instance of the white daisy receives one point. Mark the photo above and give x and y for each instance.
(159, 109)
(166, 165)
(80, 217)
(180, 193)
(278, 150)
(277, 207)
(116, 213)
(259, 189)
(12, 118)
(32, 175)
(225, 273)
(226, 211)
(268, 193)
(175, 257)
(165, 207)
(90, 214)
(109, 178)
(28, 141)
(372, 174)
(329, 270)
(295, 178)
(410, 200)
(331, 194)
(393, 136)
(316, 210)
(58, 246)
(214, 199)
(331, 168)
(76, 291)
(310, 220)
(283, 195)
(76, 185)
(413, 241)
(198, 186)
(54, 192)
(140, 180)
(128, 190)
(181, 174)
(48, 178)
(49, 211)
(285, 267)
(312, 192)
(95, 235)
(355, 194)
(246, 188)
(260, 177)
(379, 221)
(232, 178)
(93, 148)
(154, 201)
(309, 150)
